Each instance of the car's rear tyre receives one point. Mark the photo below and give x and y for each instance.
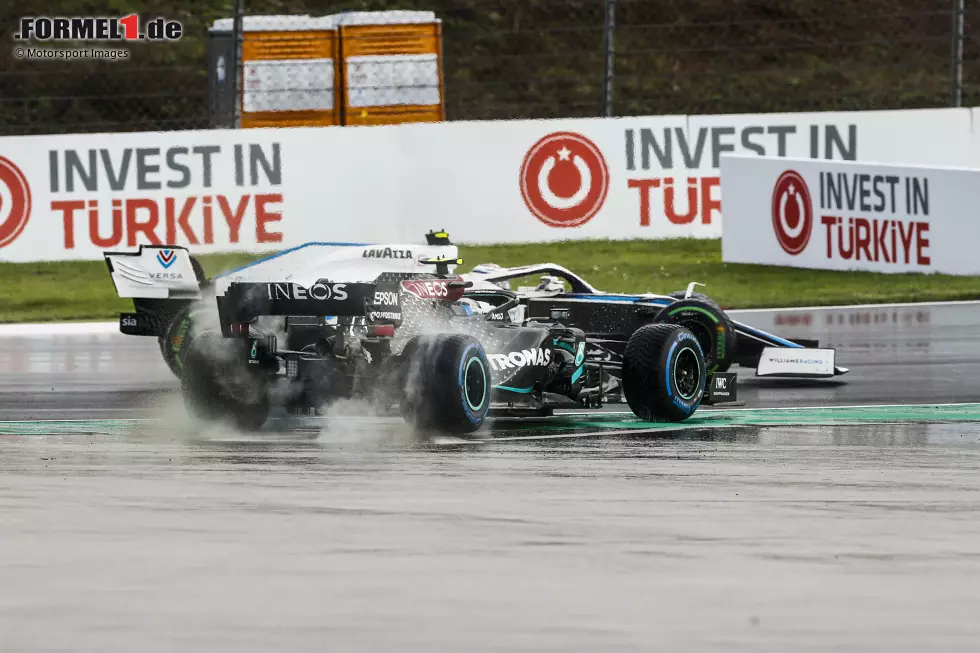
(168, 356)
(217, 385)
(712, 327)
(664, 373)
(446, 383)
(177, 333)
(175, 341)
(202, 279)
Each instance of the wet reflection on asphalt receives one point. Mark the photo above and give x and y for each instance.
(357, 535)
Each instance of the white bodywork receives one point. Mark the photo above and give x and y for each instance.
(153, 273)
(490, 275)
(165, 272)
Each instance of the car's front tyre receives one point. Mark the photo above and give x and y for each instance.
(664, 373)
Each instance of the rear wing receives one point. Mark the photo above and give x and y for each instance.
(154, 272)
(244, 301)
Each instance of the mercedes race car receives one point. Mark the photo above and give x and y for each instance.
(396, 325)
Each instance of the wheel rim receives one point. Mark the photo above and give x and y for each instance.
(687, 373)
(702, 333)
(475, 384)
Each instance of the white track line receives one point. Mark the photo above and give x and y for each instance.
(571, 436)
(967, 302)
(78, 421)
(838, 407)
(715, 411)
(45, 329)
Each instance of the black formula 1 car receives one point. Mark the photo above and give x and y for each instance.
(447, 350)
(413, 341)
(610, 319)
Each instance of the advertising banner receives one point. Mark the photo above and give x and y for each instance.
(850, 216)
(71, 197)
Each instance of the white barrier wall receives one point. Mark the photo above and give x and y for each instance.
(850, 216)
(70, 197)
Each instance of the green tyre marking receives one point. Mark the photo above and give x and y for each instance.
(696, 309)
(466, 393)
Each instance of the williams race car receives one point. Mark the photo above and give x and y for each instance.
(609, 319)
(396, 325)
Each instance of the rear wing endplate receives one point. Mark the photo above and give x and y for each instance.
(153, 272)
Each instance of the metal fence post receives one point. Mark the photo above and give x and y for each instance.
(956, 56)
(238, 30)
(609, 50)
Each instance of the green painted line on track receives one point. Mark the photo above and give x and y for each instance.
(831, 416)
(570, 424)
(75, 427)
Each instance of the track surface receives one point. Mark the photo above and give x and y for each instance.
(355, 537)
(902, 354)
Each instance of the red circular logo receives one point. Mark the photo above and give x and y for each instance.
(564, 179)
(792, 212)
(15, 202)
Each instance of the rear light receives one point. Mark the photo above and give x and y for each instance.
(239, 329)
(382, 330)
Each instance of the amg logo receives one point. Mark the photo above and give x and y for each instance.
(319, 291)
(386, 298)
(496, 317)
(387, 252)
(518, 359)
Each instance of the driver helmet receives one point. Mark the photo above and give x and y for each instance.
(551, 284)
(469, 306)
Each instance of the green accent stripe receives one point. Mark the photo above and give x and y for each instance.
(522, 391)
(696, 309)
(76, 427)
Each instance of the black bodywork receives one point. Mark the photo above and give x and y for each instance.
(537, 364)
(608, 320)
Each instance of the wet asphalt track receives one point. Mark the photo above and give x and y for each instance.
(127, 536)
